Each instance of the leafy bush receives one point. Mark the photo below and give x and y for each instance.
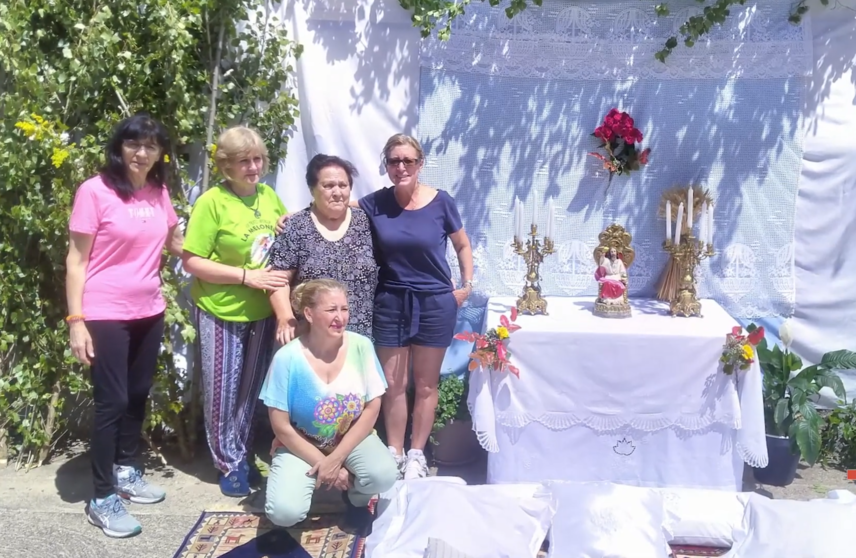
(69, 71)
(452, 400)
(838, 438)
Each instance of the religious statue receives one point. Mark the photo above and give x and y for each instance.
(613, 256)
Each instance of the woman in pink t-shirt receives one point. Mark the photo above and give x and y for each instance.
(120, 222)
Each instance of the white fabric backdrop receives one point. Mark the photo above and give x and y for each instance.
(373, 41)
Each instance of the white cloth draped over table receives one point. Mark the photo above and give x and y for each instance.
(651, 377)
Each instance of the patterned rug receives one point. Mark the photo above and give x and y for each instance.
(250, 535)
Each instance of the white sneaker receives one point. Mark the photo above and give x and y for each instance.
(416, 467)
(399, 462)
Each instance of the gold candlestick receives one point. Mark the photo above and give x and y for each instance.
(688, 254)
(530, 302)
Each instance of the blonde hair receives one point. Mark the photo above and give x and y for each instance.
(236, 143)
(403, 139)
(306, 294)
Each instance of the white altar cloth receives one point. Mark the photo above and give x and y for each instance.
(587, 383)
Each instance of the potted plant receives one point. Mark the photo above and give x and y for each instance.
(792, 422)
(454, 441)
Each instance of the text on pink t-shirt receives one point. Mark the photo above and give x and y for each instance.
(123, 276)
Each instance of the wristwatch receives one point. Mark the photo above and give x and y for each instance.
(467, 284)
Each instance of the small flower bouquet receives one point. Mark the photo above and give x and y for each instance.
(490, 351)
(739, 352)
(619, 136)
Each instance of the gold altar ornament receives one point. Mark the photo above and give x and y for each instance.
(688, 251)
(613, 257)
(531, 302)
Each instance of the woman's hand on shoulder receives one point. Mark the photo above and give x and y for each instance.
(280, 223)
(285, 330)
(266, 279)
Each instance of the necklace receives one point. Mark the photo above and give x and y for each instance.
(255, 209)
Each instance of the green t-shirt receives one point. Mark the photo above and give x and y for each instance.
(224, 228)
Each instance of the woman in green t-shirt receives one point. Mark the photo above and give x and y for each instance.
(230, 232)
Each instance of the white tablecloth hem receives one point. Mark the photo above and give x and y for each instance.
(751, 458)
(611, 423)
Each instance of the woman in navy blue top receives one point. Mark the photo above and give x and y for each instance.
(416, 303)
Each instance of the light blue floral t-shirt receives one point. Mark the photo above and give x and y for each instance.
(324, 412)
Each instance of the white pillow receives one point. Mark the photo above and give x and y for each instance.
(606, 520)
(482, 521)
(700, 517)
(795, 529)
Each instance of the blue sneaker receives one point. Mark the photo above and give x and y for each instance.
(235, 484)
(111, 517)
(131, 485)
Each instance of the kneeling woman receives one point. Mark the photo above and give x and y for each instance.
(323, 391)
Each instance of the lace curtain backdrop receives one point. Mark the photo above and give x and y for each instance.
(507, 108)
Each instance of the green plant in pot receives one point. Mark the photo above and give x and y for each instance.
(454, 441)
(792, 421)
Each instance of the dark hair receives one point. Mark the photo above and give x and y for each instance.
(321, 162)
(138, 127)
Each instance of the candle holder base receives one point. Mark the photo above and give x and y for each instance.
(685, 304)
(530, 302)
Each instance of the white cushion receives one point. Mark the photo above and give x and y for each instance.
(480, 521)
(701, 517)
(795, 529)
(606, 520)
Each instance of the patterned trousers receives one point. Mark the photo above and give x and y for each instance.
(235, 359)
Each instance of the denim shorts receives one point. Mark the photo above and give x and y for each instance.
(403, 318)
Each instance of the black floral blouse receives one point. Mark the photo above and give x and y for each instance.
(349, 260)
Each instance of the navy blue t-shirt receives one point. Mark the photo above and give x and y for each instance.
(411, 244)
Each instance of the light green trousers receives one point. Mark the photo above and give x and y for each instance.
(289, 490)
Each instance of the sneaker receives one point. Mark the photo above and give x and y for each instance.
(235, 484)
(131, 485)
(400, 461)
(416, 467)
(110, 515)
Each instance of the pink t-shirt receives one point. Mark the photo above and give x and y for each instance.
(123, 276)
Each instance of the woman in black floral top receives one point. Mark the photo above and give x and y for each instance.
(329, 239)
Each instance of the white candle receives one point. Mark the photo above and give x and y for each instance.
(516, 211)
(678, 224)
(668, 220)
(690, 210)
(534, 207)
(710, 226)
(550, 211)
(702, 224)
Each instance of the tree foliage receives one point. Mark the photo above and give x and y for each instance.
(429, 15)
(69, 71)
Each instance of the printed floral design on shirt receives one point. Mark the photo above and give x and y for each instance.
(334, 416)
(261, 247)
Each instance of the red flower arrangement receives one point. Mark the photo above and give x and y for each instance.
(490, 351)
(738, 352)
(619, 136)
